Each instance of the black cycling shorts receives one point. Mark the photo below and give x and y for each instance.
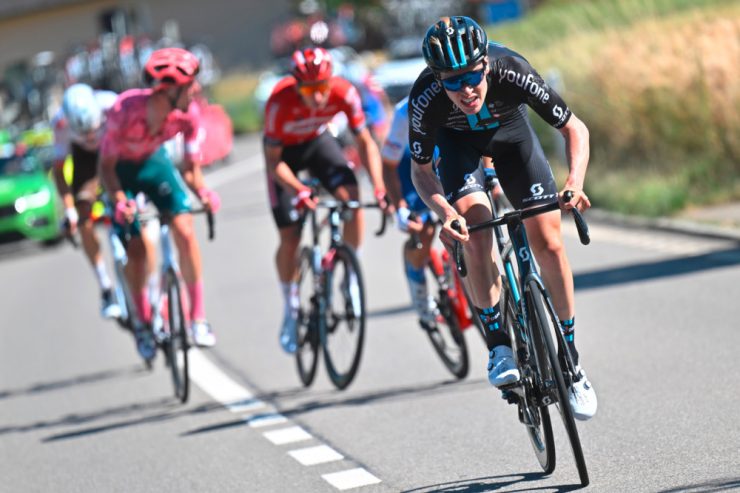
(521, 165)
(324, 160)
(84, 174)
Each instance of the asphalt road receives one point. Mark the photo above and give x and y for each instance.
(657, 329)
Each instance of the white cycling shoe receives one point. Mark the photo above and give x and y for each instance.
(288, 333)
(428, 312)
(109, 308)
(203, 335)
(582, 397)
(502, 369)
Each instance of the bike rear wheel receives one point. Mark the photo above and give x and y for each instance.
(546, 322)
(445, 333)
(344, 321)
(307, 354)
(177, 344)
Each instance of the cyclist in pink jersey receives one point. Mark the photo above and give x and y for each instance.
(132, 160)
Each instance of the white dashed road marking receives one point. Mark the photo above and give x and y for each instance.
(266, 420)
(287, 435)
(316, 455)
(352, 478)
(237, 399)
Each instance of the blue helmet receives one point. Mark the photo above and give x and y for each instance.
(81, 109)
(454, 43)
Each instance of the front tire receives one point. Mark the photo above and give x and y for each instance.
(545, 323)
(307, 354)
(534, 414)
(343, 331)
(177, 342)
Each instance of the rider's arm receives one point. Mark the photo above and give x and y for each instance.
(279, 169)
(61, 150)
(430, 190)
(393, 183)
(548, 104)
(370, 156)
(107, 170)
(192, 173)
(64, 191)
(576, 138)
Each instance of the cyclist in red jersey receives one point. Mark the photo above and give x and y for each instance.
(295, 138)
(133, 160)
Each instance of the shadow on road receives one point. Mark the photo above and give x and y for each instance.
(654, 270)
(336, 399)
(494, 483)
(390, 311)
(166, 409)
(328, 399)
(75, 381)
(725, 484)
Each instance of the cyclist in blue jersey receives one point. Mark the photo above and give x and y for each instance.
(412, 214)
(471, 102)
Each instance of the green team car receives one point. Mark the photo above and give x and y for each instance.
(29, 204)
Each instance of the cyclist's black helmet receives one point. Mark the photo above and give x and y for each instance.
(454, 43)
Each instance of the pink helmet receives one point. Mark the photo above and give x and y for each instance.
(170, 67)
(311, 65)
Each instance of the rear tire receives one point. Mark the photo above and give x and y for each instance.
(307, 354)
(446, 335)
(343, 331)
(177, 342)
(546, 322)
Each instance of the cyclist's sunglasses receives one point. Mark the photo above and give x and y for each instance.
(311, 89)
(472, 79)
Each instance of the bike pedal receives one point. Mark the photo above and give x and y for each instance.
(510, 396)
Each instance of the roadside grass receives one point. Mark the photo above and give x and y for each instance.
(656, 83)
(235, 93)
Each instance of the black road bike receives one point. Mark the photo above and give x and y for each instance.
(332, 312)
(546, 366)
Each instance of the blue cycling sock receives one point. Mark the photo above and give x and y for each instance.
(567, 327)
(495, 334)
(414, 274)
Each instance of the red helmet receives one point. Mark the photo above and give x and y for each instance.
(311, 65)
(170, 67)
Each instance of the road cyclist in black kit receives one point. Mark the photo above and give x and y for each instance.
(471, 102)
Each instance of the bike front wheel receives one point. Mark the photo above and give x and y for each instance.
(177, 344)
(545, 324)
(532, 412)
(307, 327)
(343, 326)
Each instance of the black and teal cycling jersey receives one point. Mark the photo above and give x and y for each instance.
(512, 84)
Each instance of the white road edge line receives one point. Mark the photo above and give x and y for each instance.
(213, 381)
(216, 383)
